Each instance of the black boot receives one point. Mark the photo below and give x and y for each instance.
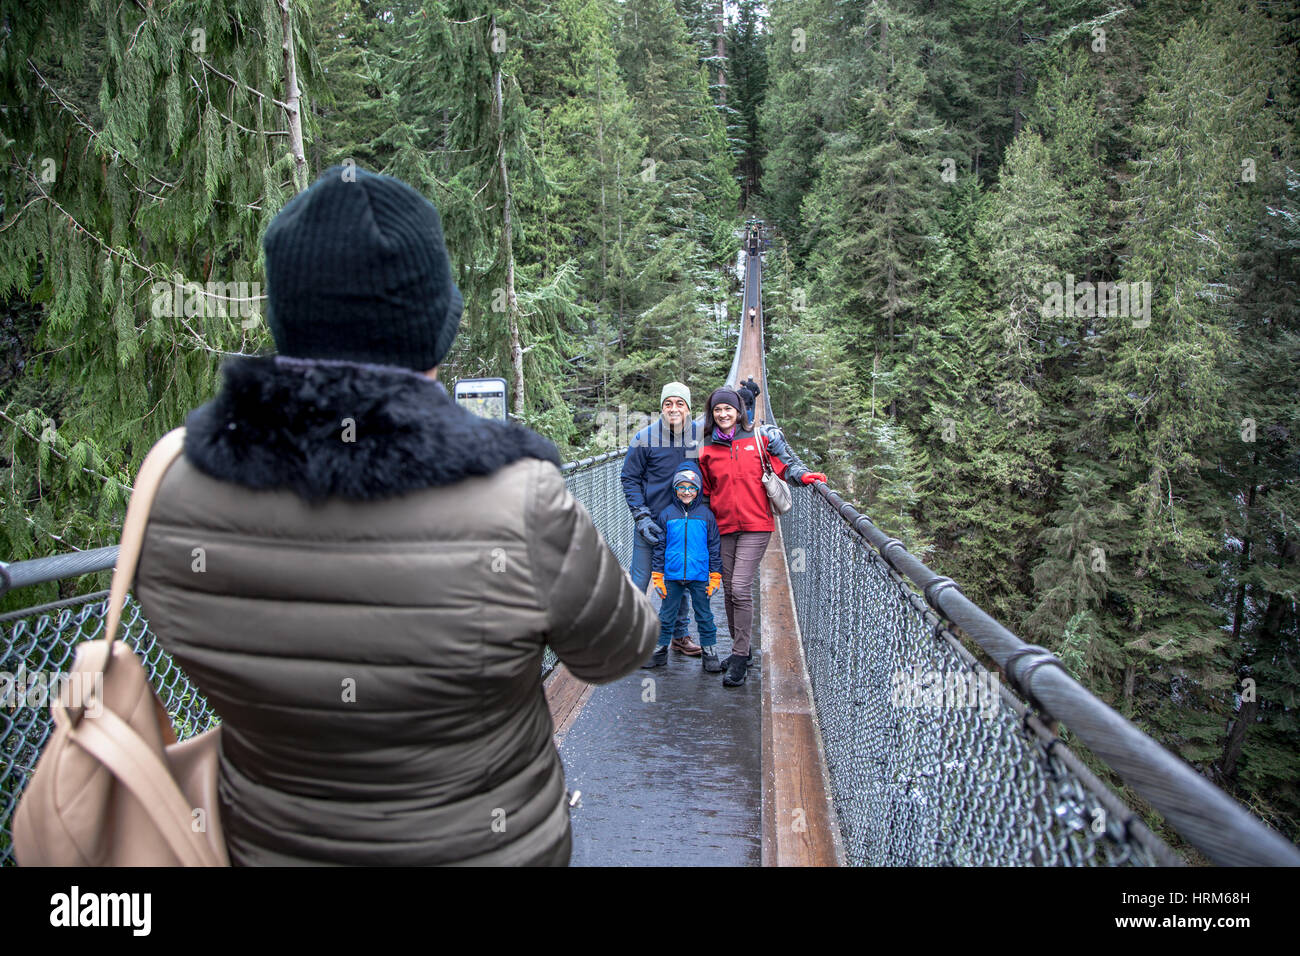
(659, 658)
(748, 659)
(711, 663)
(737, 670)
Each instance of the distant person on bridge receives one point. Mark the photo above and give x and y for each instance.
(748, 392)
(687, 562)
(732, 466)
(654, 455)
(381, 570)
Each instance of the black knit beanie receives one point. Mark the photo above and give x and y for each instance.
(725, 396)
(721, 396)
(357, 270)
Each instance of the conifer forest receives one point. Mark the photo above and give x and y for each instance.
(1030, 285)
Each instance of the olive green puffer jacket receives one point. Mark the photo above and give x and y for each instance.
(367, 614)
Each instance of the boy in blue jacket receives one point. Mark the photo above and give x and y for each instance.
(687, 560)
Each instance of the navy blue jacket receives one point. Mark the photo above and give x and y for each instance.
(690, 550)
(653, 457)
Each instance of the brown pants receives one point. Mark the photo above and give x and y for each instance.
(741, 552)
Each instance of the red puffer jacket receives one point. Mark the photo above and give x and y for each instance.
(733, 481)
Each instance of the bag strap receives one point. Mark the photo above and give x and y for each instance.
(111, 740)
(155, 466)
(759, 439)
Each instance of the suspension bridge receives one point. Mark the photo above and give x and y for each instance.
(888, 720)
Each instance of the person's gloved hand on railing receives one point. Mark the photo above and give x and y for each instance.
(809, 477)
(649, 529)
(657, 582)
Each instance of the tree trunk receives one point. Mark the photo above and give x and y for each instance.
(1020, 76)
(622, 298)
(722, 56)
(546, 243)
(1239, 611)
(884, 54)
(600, 156)
(507, 245)
(292, 109)
(1269, 628)
(1237, 738)
(1236, 735)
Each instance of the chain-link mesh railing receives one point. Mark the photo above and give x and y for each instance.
(932, 760)
(595, 482)
(39, 642)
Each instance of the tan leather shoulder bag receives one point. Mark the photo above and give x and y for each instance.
(778, 492)
(112, 786)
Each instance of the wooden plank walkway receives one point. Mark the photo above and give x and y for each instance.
(799, 825)
(668, 762)
(675, 769)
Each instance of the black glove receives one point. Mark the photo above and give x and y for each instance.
(649, 529)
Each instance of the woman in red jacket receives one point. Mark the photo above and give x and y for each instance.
(732, 466)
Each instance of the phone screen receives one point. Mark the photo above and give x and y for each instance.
(484, 397)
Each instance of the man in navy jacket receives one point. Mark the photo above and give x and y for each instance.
(655, 454)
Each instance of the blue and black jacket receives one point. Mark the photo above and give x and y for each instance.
(653, 457)
(691, 549)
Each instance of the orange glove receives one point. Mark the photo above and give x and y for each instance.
(657, 582)
(812, 476)
(715, 582)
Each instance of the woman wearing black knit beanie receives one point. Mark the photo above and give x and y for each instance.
(377, 678)
(731, 462)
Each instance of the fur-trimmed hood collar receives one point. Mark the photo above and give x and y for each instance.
(339, 429)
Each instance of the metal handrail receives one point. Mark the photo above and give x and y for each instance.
(1203, 814)
(21, 574)
(56, 567)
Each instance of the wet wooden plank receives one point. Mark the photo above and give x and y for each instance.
(669, 765)
(565, 695)
(799, 825)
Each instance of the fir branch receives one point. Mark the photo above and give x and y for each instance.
(19, 213)
(243, 86)
(48, 534)
(204, 346)
(96, 134)
(62, 457)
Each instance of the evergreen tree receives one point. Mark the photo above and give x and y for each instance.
(513, 324)
(153, 145)
(1254, 467)
(1158, 395)
(677, 271)
(747, 62)
(877, 184)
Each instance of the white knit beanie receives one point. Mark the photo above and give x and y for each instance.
(675, 390)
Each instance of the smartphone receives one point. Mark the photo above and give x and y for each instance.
(485, 397)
